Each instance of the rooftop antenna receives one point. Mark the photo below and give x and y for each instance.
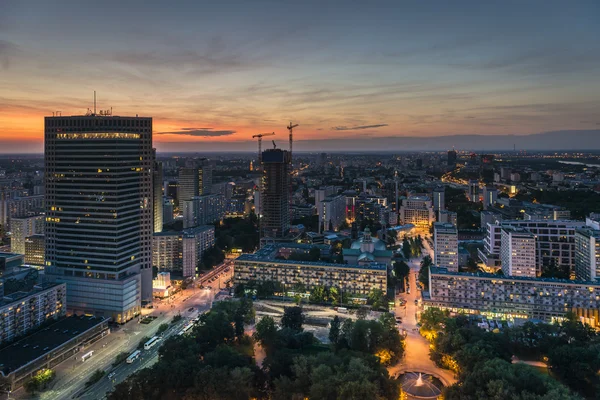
(94, 102)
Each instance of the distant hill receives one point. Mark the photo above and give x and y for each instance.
(555, 140)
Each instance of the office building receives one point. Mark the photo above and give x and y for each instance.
(445, 246)
(561, 215)
(99, 213)
(171, 191)
(587, 254)
(474, 191)
(21, 312)
(12, 204)
(35, 250)
(332, 213)
(203, 210)
(157, 193)
(517, 252)
(194, 180)
(167, 212)
(451, 158)
(509, 298)
(439, 199)
(322, 193)
(267, 265)
(179, 252)
(21, 228)
(417, 210)
(555, 240)
(275, 199)
(490, 196)
(449, 217)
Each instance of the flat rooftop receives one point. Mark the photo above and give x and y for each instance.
(43, 341)
(16, 296)
(269, 253)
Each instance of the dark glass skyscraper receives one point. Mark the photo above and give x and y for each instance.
(275, 199)
(99, 214)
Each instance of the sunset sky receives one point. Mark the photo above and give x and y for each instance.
(221, 71)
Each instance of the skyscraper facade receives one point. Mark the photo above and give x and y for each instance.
(157, 195)
(517, 252)
(99, 214)
(439, 199)
(445, 239)
(194, 180)
(275, 203)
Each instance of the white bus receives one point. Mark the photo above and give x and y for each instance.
(151, 343)
(134, 356)
(87, 355)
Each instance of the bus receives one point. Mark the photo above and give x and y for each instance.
(151, 343)
(134, 356)
(87, 355)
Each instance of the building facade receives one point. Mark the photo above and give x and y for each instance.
(355, 279)
(332, 213)
(157, 194)
(99, 213)
(490, 196)
(35, 250)
(517, 252)
(587, 254)
(21, 312)
(194, 181)
(449, 217)
(417, 210)
(502, 297)
(439, 199)
(21, 228)
(180, 252)
(203, 210)
(275, 198)
(445, 245)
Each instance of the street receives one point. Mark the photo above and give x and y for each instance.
(416, 357)
(72, 374)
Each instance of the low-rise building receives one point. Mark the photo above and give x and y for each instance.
(509, 297)
(417, 210)
(265, 265)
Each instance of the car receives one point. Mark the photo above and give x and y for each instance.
(110, 376)
(191, 309)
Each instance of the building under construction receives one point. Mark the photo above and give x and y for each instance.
(275, 199)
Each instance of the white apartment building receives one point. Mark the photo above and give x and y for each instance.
(417, 210)
(203, 210)
(587, 254)
(23, 227)
(332, 213)
(501, 297)
(445, 240)
(517, 252)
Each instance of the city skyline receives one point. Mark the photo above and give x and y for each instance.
(360, 73)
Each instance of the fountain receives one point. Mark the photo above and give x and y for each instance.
(418, 385)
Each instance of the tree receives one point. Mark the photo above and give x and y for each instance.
(162, 328)
(406, 249)
(376, 298)
(334, 330)
(293, 318)
(96, 376)
(426, 262)
(362, 313)
(122, 356)
(401, 270)
(142, 341)
(266, 332)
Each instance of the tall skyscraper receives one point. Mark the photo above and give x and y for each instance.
(194, 180)
(587, 254)
(275, 203)
(451, 158)
(439, 199)
(99, 214)
(157, 195)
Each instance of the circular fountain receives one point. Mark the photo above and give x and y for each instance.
(418, 385)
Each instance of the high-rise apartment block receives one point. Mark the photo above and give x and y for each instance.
(194, 180)
(451, 158)
(474, 190)
(99, 213)
(587, 254)
(445, 250)
(21, 228)
(275, 199)
(332, 213)
(490, 196)
(180, 252)
(517, 252)
(449, 217)
(35, 250)
(13, 204)
(203, 210)
(439, 199)
(167, 205)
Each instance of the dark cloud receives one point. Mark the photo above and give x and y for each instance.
(202, 132)
(354, 128)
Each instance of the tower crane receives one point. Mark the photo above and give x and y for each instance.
(290, 127)
(260, 136)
